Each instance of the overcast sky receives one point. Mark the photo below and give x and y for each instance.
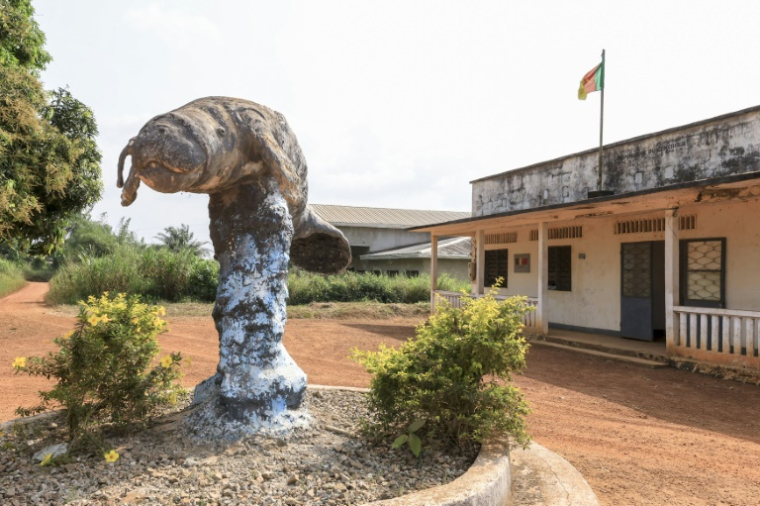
(400, 103)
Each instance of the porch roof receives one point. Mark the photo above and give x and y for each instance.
(719, 189)
(454, 248)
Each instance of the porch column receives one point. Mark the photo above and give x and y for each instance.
(433, 270)
(542, 310)
(480, 262)
(672, 291)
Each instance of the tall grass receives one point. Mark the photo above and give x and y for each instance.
(161, 274)
(154, 273)
(11, 277)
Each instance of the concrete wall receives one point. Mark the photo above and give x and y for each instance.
(594, 301)
(726, 145)
(382, 239)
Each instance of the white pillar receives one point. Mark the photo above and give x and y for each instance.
(480, 262)
(433, 270)
(542, 311)
(672, 291)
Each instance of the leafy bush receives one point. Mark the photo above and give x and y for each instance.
(103, 369)
(454, 375)
(162, 274)
(90, 238)
(11, 277)
(305, 288)
(154, 273)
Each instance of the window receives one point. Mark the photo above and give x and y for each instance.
(412, 274)
(560, 268)
(703, 272)
(497, 266)
(391, 274)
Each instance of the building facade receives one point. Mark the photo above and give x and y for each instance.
(381, 242)
(673, 252)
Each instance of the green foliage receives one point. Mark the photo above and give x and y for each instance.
(455, 374)
(411, 438)
(11, 277)
(90, 238)
(180, 239)
(49, 162)
(305, 287)
(21, 40)
(161, 274)
(103, 368)
(155, 273)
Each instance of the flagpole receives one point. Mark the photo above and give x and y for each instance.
(601, 128)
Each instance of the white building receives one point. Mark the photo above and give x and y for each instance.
(673, 252)
(381, 242)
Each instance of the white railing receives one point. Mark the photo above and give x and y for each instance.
(724, 331)
(455, 299)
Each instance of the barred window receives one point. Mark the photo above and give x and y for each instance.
(560, 268)
(497, 266)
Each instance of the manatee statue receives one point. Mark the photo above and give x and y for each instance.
(246, 157)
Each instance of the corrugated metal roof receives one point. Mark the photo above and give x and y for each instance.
(378, 217)
(455, 248)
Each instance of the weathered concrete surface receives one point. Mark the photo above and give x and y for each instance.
(721, 146)
(542, 477)
(247, 158)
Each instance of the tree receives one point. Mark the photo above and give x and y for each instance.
(95, 238)
(49, 162)
(180, 238)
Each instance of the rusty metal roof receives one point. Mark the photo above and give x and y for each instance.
(378, 217)
(456, 248)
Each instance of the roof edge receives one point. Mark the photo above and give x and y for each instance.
(622, 143)
(660, 189)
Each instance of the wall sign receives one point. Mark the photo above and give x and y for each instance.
(522, 262)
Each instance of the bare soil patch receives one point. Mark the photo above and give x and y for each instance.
(639, 436)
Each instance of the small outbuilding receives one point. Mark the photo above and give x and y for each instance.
(381, 244)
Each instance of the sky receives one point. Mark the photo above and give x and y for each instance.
(400, 103)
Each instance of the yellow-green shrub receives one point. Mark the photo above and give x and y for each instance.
(454, 375)
(103, 368)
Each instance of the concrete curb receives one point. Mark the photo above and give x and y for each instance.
(25, 420)
(543, 477)
(534, 476)
(486, 482)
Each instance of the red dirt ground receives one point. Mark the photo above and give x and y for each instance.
(639, 436)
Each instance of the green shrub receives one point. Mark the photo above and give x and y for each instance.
(103, 368)
(154, 273)
(162, 274)
(454, 375)
(11, 277)
(305, 288)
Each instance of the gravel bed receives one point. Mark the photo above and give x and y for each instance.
(326, 464)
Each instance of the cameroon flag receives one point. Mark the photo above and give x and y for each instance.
(592, 81)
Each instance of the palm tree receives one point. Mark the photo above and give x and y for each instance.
(180, 238)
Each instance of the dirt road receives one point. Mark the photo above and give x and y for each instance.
(639, 436)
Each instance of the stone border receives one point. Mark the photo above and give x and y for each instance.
(487, 481)
(545, 478)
